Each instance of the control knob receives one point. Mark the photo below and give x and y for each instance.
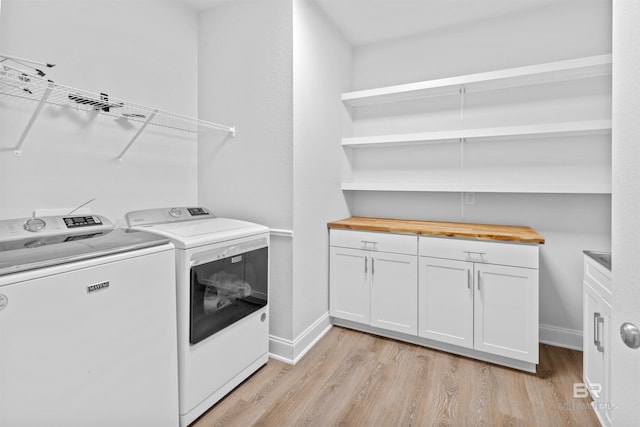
(175, 212)
(34, 225)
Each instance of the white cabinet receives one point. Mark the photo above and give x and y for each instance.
(373, 279)
(597, 337)
(349, 296)
(476, 298)
(533, 109)
(467, 301)
(506, 311)
(446, 301)
(394, 280)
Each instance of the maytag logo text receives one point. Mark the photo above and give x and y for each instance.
(97, 286)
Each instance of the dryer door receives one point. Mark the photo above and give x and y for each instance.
(225, 290)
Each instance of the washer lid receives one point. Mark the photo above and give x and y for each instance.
(44, 251)
(205, 231)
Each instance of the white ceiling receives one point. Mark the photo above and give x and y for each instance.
(369, 21)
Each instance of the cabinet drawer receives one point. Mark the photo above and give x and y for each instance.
(518, 255)
(371, 241)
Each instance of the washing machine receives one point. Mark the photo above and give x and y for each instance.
(87, 324)
(222, 286)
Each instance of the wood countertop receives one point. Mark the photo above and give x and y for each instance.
(508, 233)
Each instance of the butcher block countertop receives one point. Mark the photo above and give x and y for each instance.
(507, 233)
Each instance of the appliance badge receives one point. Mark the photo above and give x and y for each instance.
(3, 301)
(236, 259)
(97, 286)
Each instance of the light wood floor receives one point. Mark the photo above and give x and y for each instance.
(354, 379)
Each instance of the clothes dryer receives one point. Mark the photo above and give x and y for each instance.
(222, 285)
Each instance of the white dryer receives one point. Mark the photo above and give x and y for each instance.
(222, 284)
(87, 325)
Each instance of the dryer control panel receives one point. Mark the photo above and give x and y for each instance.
(164, 215)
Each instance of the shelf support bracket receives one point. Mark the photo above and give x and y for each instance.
(462, 92)
(144, 125)
(17, 151)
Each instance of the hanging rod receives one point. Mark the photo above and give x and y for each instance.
(15, 83)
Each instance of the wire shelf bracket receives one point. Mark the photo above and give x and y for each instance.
(17, 151)
(144, 125)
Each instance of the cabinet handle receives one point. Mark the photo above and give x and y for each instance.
(468, 279)
(600, 322)
(366, 268)
(373, 266)
(470, 253)
(369, 242)
(478, 280)
(596, 339)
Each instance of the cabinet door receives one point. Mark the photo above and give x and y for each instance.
(506, 311)
(445, 295)
(597, 351)
(349, 294)
(394, 292)
(593, 360)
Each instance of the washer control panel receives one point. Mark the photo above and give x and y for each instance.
(82, 221)
(19, 228)
(164, 215)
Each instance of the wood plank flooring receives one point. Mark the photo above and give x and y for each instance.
(355, 379)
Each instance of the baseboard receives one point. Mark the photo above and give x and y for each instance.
(291, 351)
(561, 337)
(449, 348)
(276, 232)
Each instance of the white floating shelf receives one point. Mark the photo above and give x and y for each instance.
(592, 66)
(571, 188)
(581, 128)
(562, 180)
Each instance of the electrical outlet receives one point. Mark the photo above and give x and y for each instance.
(469, 198)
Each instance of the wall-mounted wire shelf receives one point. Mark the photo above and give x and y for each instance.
(17, 84)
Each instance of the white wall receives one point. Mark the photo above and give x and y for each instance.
(282, 91)
(245, 79)
(556, 31)
(322, 70)
(141, 51)
(570, 223)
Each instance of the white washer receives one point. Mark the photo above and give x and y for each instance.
(222, 282)
(87, 325)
